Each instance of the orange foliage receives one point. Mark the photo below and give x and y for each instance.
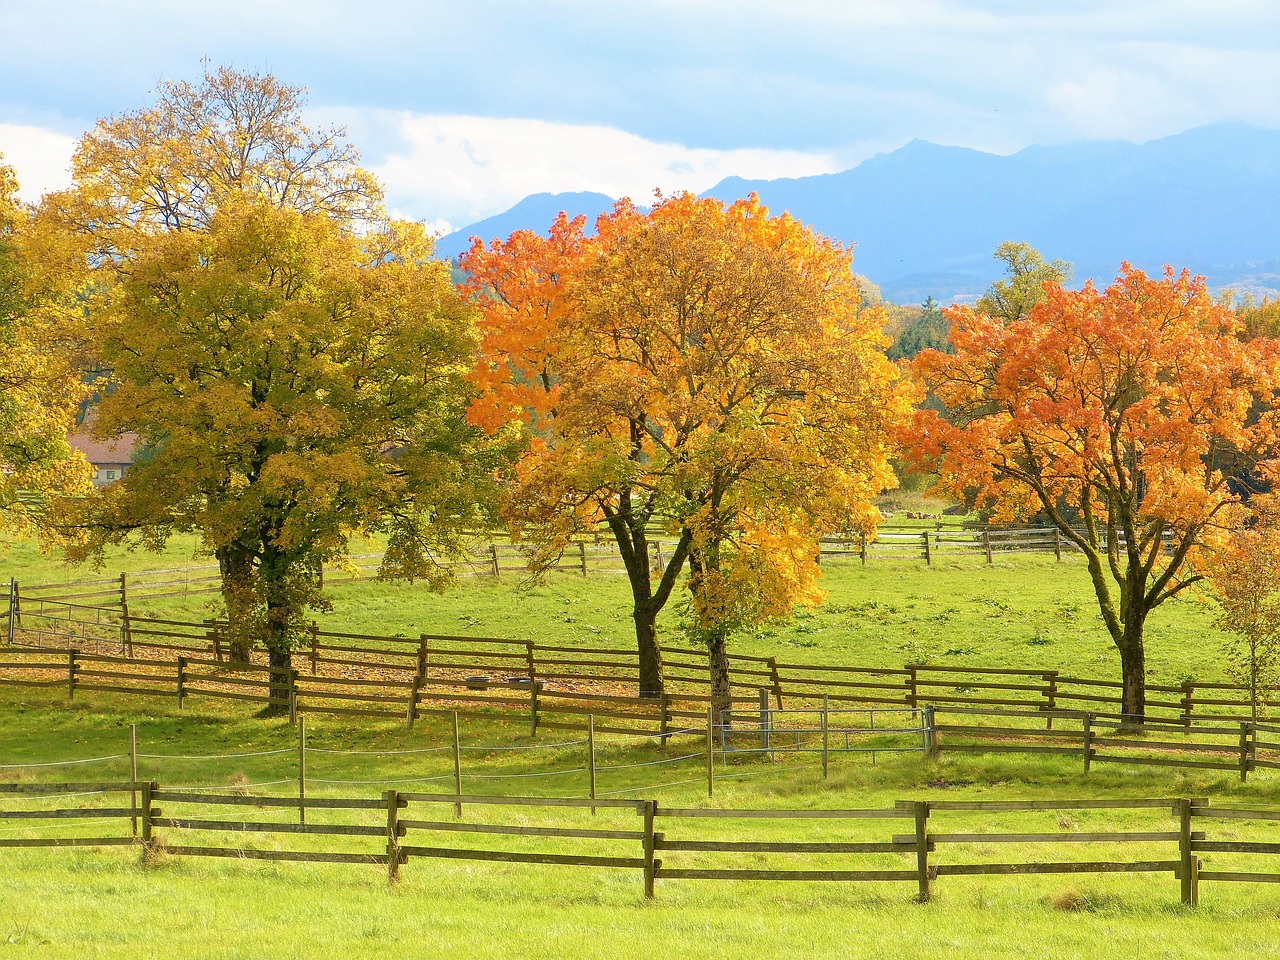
(1121, 414)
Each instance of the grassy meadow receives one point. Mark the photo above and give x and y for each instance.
(1022, 611)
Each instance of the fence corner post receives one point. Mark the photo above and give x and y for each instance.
(1188, 867)
(711, 751)
(932, 746)
(650, 845)
(923, 875)
(393, 835)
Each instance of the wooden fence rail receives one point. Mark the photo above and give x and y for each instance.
(945, 838)
(555, 685)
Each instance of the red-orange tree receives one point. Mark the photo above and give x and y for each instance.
(1123, 416)
(700, 370)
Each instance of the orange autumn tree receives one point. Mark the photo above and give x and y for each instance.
(1124, 416)
(698, 371)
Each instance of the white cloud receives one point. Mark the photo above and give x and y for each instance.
(460, 169)
(41, 157)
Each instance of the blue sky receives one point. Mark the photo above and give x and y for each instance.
(465, 107)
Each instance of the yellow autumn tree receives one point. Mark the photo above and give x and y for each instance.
(699, 371)
(40, 389)
(290, 383)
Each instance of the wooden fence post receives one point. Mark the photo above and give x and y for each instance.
(457, 767)
(1186, 868)
(148, 789)
(314, 631)
(1051, 693)
(777, 681)
(1188, 706)
(711, 752)
(928, 554)
(1088, 741)
(71, 673)
(214, 636)
(591, 756)
(302, 769)
(913, 691)
(986, 539)
(126, 632)
(424, 657)
(650, 864)
(582, 555)
(764, 719)
(1057, 544)
(862, 548)
(664, 723)
(932, 745)
(182, 677)
(826, 743)
(13, 596)
(292, 677)
(393, 835)
(493, 556)
(533, 707)
(411, 708)
(921, 810)
(1246, 749)
(133, 778)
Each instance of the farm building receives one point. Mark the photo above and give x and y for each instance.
(110, 458)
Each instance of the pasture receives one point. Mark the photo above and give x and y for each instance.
(1021, 611)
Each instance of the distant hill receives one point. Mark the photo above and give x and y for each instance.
(534, 212)
(925, 219)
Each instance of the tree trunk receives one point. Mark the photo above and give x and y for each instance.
(235, 564)
(281, 607)
(651, 684)
(1133, 674)
(718, 665)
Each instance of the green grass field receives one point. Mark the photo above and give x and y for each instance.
(1024, 611)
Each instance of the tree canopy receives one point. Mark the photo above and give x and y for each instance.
(40, 388)
(291, 383)
(1123, 415)
(1027, 272)
(702, 371)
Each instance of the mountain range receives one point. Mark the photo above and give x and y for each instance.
(924, 220)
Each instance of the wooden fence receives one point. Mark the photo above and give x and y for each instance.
(943, 838)
(497, 559)
(557, 686)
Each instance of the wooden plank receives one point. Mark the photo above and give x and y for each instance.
(38, 789)
(337, 829)
(71, 842)
(636, 805)
(521, 831)
(1083, 866)
(1102, 837)
(76, 813)
(1240, 877)
(328, 803)
(1008, 748)
(1023, 805)
(1233, 846)
(766, 846)
(304, 856)
(1167, 762)
(508, 856)
(1237, 813)
(669, 873)
(714, 813)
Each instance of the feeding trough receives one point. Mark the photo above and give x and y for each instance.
(478, 682)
